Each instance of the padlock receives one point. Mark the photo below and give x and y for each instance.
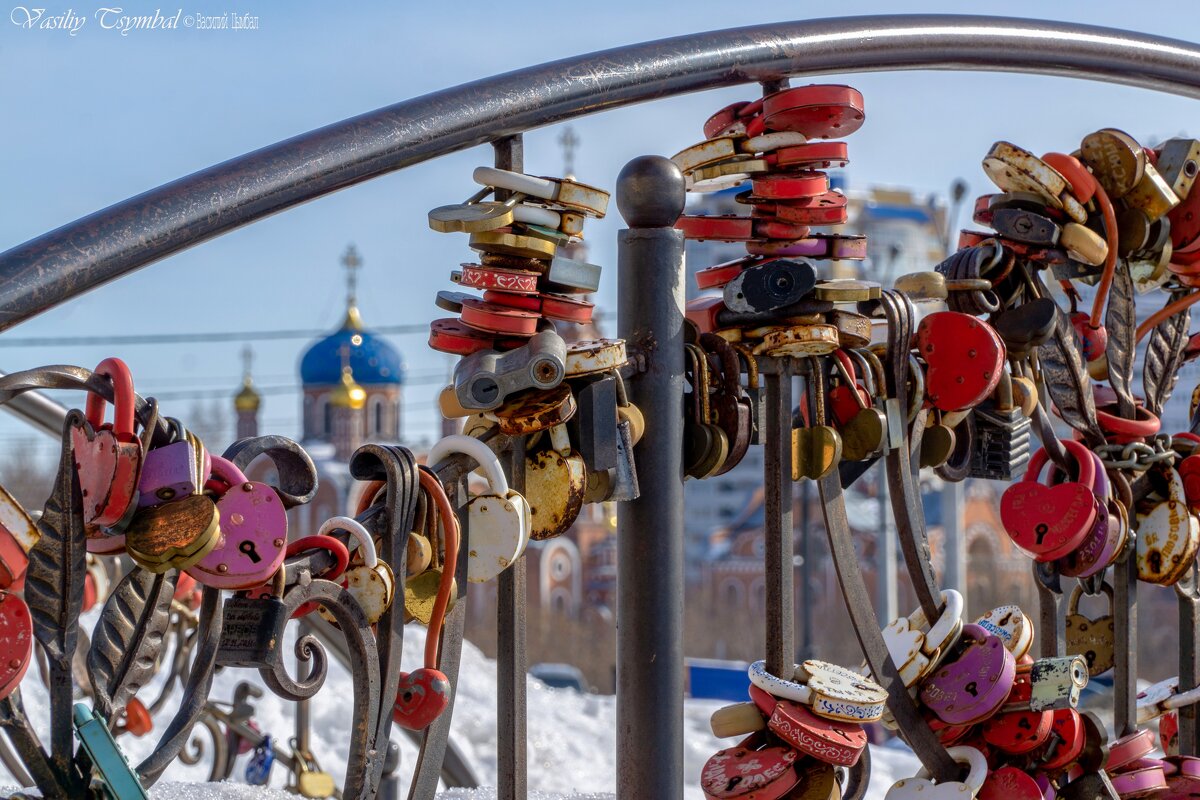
(770, 285)
(832, 741)
(593, 427)
(1168, 536)
(975, 684)
(1014, 628)
(311, 781)
(1016, 730)
(862, 427)
(1048, 522)
(1016, 170)
(923, 787)
(252, 633)
(739, 719)
(1066, 742)
(817, 448)
(484, 380)
(174, 471)
(18, 535)
(108, 457)
(1055, 682)
(1094, 639)
(258, 766)
(175, 535)
(965, 357)
(137, 719)
(1125, 751)
(554, 488)
(253, 538)
(16, 641)
(118, 781)
(422, 696)
(705, 445)
(750, 770)
(915, 646)
(1010, 783)
(831, 691)
(499, 518)
(559, 193)
(370, 582)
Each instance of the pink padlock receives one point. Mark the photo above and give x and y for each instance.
(750, 770)
(253, 538)
(1128, 749)
(1142, 782)
(975, 684)
(1183, 778)
(174, 471)
(1106, 536)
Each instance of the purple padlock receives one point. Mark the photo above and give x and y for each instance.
(975, 684)
(1183, 778)
(1147, 779)
(174, 471)
(253, 538)
(1097, 550)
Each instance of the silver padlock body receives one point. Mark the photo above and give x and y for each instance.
(1057, 682)
(483, 380)
(1002, 443)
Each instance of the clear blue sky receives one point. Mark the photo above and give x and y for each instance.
(91, 119)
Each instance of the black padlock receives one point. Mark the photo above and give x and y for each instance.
(1002, 437)
(252, 630)
(593, 429)
(769, 286)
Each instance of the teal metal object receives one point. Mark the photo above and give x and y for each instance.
(119, 780)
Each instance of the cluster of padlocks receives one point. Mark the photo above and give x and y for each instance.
(954, 369)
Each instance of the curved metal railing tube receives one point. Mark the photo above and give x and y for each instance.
(102, 247)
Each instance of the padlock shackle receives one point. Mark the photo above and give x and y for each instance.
(475, 450)
(124, 399)
(227, 471)
(366, 543)
(441, 603)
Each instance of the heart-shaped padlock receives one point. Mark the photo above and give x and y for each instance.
(253, 539)
(965, 357)
(1068, 727)
(16, 641)
(1094, 639)
(175, 535)
(817, 449)
(975, 684)
(1011, 625)
(841, 694)
(1048, 522)
(499, 518)
(922, 786)
(1021, 731)
(750, 770)
(831, 741)
(554, 488)
(1168, 536)
(422, 696)
(915, 646)
(108, 457)
(1010, 783)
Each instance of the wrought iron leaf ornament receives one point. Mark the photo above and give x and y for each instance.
(129, 638)
(1120, 322)
(54, 589)
(1067, 380)
(1164, 356)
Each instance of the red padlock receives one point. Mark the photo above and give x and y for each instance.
(726, 122)
(498, 279)
(721, 274)
(823, 209)
(1048, 522)
(965, 356)
(498, 320)
(1092, 340)
(16, 641)
(1068, 726)
(452, 336)
(108, 457)
(18, 535)
(814, 155)
(791, 185)
(137, 718)
(818, 111)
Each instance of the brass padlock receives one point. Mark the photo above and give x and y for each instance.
(1094, 639)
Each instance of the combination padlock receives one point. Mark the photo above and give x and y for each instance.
(1002, 436)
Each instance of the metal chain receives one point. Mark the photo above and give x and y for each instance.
(1137, 456)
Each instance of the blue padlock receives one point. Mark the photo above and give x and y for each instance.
(258, 768)
(119, 780)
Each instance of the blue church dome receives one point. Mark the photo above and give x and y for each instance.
(372, 360)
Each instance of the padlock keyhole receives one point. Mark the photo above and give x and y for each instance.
(250, 550)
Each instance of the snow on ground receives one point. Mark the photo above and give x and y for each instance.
(572, 747)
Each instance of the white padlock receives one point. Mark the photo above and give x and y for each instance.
(499, 519)
(922, 786)
(371, 583)
(918, 648)
(830, 691)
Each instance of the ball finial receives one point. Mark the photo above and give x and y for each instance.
(650, 192)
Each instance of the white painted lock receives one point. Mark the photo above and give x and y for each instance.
(830, 691)
(370, 583)
(499, 519)
(922, 786)
(917, 648)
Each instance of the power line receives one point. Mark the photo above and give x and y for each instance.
(210, 336)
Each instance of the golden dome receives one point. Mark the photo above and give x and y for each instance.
(348, 393)
(247, 399)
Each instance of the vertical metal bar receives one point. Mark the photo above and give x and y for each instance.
(303, 747)
(1052, 623)
(954, 536)
(778, 532)
(885, 559)
(1189, 661)
(650, 290)
(808, 573)
(1125, 623)
(511, 664)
